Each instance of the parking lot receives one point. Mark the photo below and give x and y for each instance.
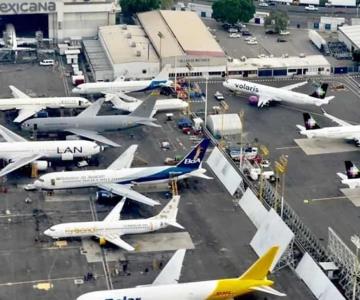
(298, 42)
(37, 267)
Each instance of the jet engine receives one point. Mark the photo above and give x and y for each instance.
(42, 165)
(253, 100)
(67, 156)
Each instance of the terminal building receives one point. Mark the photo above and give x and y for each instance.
(350, 35)
(57, 19)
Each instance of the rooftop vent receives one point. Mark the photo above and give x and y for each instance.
(128, 35)
(133, 45)
(138, 53)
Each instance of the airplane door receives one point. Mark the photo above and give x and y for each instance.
(35, 126)
(80, 103)
(53, 182)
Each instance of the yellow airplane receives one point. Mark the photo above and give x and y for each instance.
(166, 285)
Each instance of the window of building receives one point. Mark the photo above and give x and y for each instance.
(144, 71)
(203, 14)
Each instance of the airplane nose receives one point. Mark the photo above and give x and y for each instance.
(38, 184)
(47, 232)
(75, 90)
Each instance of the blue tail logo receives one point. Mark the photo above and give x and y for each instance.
(195, 157)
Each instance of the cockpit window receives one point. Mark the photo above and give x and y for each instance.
(41, 180)
(52, 229)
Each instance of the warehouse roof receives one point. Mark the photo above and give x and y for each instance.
(182, 32)
(352, 33)
(126, 43)
(279, 62)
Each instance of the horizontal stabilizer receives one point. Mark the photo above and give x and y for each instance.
(200, 175)
(148, 123)
(342, 176)
(268, 290)
(175, 224)
(301, 128)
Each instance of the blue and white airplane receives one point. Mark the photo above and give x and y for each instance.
(120, 87)
(119, 177)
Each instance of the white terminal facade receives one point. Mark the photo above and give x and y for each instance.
(62, 19)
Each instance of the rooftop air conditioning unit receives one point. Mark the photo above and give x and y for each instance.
(128, 35)
(124, 27)
(243, 58)
(138, 53)
(133, 45)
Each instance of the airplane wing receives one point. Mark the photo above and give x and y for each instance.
(93, 135)
(263, 100)
(17, 93)
(114, 215)
(126, 97)
(293, 86)
(126, 191)
(25, 113)
(268, 290)
(336, 120)
(125, 159)
(172, 271)
(93, 109)
(116, 240)
(18, 163)
(10, 136)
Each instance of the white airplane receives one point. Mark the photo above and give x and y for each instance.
(112, 228)
(19, 152)
(166, 285)
(160, 104)
(352, 177)
(120, 87)
(28, 106)
(12, 42)
(119, 177)
(265, 94)
(345, 130)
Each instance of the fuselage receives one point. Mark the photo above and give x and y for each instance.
(203, 290)
(49, 102)
(118, 86)
(345, 132)
(95, 123)
(122, 227)
(275, 94)
(51, 149)
(79, 179)
(160, 105)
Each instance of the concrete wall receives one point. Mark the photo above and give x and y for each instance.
(343, 38)
(134, 70)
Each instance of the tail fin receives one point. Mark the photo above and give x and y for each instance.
(259, 269)
(145, 109)
(310, 122)
(194, 158)
(351, 170)
(169, 212)
(320, 91)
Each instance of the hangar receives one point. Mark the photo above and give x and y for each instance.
(57, 19)
(350, 35)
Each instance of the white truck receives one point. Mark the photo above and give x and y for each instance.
(317, 39)
(254, 170)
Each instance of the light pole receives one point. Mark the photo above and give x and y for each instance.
(206, 99)
(356, 241)
(160, 35)
(189, 67)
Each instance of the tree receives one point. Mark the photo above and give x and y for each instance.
(278, 19)
(233, 11)
(131, 7)
(166, 4)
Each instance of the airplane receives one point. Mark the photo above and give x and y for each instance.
(28, 106)
(119, 177)
(265, 94)
(88, 124)
(120, 87)
(12, 42)
(345, 130)
(19, 152)
(166, 285)
(112, 228)
(352, 177)
(160, 104)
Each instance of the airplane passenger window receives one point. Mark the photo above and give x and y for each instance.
(52, 181)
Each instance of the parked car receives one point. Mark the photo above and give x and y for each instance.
(233, 30)
(249, 38)
(281, 40)
(270, 31)
(272, 3)
(219, 96)
(47, 62)
(263, 4)
(234, 35)
(311, 8)
(284, 32)
(246, 33)
(252, 42)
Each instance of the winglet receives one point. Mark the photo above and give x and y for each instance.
(259, 269)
